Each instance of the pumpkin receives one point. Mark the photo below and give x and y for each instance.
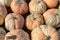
(5, 2)
(34, 20)
(37, 6)
(14, 21)
(52, 17)
(17, 35)
(51, 3)
(44, 32)
(2, 33)
(3, 13)
(19, 6)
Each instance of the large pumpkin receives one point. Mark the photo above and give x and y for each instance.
(17, 35)
(44, 32)
(51, 3)
(2, 33)
(6, 2)
(52, 17)
(14, 21)
(37, 6)
(34, 20)
(19, 6)
(3, 13)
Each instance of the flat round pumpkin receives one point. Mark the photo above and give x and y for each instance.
(3, 13)
(37, 6)
(52, 17)
(44, 32)
(34, 20)
(14, 21)
(19, 6)
(17, 35)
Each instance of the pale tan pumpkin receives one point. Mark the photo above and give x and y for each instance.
(2, 33)
(3, 13)
(51, 3)
(17, 35)
(19, 6)
(44, 32)
(34, 20)
(52, 17)
(5, 2)
(37, 6)
(14, 21)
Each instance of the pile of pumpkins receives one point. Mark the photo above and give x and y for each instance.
(41, 18)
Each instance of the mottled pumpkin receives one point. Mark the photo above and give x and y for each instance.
(3, 13)
(14, 21)
(34, 20)
(37, 6)
(51, 3)
(19, 6)
(44, 32)
(52, 17)
(6, 2)
(17, 35)
(2, 33)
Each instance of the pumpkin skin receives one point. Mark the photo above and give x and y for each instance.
(6, 2)
(14, 21)
(19, 6)
(51, 3)
(44, 32)
(3, 13)
(52, 17)
(17, 35)
(37, 6)
(34, 20)
(2, 33)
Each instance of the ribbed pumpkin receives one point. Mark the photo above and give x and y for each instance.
(3, 13)
(52, 17)
(19, 6)
(2, 33)
(17, 35)
(44, 32)
(6, 2)
(34, 20)
(14, 21)
(37, 6)
(51, 3)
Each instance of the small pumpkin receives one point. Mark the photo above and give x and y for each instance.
(5, 2)
(37, 6)
(2, 33)
(52, 17)
(14, 21)
(19, 6)
(17, 35)
(44, 32)
(34, 20)
(51, 3)
(3, 13)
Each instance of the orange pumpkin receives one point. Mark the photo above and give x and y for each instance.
(37, 6)
(19, 6)
(51, 3)
(34, 20)
(44, 32)
(3, 13)
(17, 35)
(14, 21)
(52, 17)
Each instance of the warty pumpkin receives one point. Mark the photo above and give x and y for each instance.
(44, 32)
(17, 35)
(14, 21)
(52, 17)
(34, 20)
